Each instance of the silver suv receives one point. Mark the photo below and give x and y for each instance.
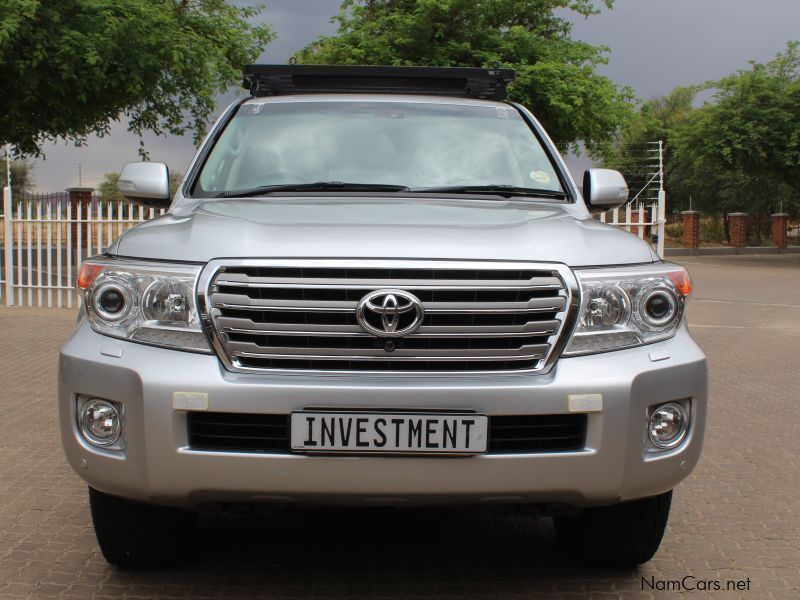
(380, 286)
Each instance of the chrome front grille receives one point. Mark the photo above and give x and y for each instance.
(301, 314)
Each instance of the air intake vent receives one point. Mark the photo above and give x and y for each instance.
(515, 434)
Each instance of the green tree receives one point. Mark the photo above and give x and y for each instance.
(753, 125)
(22, 179)
(109, 187)
(741, 152)
(174, 181)
(556, 75)
(69, 68)
(634, 153)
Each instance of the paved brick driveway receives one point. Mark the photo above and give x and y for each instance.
(737, 517)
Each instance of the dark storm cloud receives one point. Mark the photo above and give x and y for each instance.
(655, 45)
(658, 44)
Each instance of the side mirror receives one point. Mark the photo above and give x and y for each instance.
(146, 183)
(604, 189)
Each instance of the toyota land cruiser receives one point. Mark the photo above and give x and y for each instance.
(380, 285)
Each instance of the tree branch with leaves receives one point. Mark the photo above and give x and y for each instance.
(70, 68)
(556, 75)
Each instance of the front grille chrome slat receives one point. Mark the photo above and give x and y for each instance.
(243, 301)
(300, 315)
(544, 283)
(232, 325)
(253, 351)
(532, 305)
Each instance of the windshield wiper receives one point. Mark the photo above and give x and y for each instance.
(265, 190)
(498, 190)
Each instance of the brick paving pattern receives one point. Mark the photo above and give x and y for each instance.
(736, 517)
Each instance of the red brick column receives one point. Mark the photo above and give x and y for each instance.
(634, 219)
(691, 229)
(738, 229)
(80, 198)
(780, 227)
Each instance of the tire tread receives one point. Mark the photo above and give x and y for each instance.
(621, 535)
(137, 535)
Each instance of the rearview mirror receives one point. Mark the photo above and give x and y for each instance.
(146, 183)
(604, 189)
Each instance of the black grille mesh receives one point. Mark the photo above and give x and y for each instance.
(259, 433)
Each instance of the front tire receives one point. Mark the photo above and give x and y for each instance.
(136, 535)
(622, 535)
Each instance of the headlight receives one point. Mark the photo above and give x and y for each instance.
(628, 307)
(152, 303)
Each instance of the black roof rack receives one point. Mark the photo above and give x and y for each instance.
(276, 80)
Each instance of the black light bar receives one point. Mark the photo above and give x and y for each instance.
(465, 82)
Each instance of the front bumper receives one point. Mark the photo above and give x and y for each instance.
(158, 465)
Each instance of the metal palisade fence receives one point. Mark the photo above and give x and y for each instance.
(47, 236)
(639, 220)
(645, 212)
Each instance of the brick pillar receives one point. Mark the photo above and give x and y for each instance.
(691, 228)
(80, 198)
(634, 219)
(780, 228)
(738, 229)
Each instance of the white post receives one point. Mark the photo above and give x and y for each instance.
(628, 217)
(8, 245)
(39, 252)
(640, 229)
(8, 165)
(662, 201)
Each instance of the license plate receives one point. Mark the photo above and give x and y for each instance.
(418, 433)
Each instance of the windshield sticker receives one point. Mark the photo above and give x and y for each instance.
(502, 113)
(540, 177)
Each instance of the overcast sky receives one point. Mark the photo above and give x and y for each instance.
(655, 45)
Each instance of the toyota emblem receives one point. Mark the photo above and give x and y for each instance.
(390, 313)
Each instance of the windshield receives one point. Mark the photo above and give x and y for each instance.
(409, 144)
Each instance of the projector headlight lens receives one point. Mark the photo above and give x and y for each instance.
(113, 300)
(659, 306)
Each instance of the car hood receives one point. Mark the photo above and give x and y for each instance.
(415, 228)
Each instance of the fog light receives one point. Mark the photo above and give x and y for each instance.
(100, 422)
(668, 425)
